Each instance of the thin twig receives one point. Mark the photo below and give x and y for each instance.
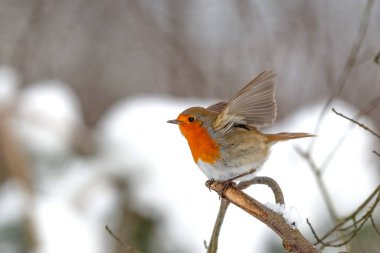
(366, 110)
(319, 241)
(321, 184)
(127, 249)
(375, 226)
(357, 123)
(213, 245)
(375, 152)
(357, 223)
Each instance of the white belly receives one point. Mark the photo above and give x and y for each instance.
(222, 173)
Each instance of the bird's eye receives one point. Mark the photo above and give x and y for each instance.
(190, 119)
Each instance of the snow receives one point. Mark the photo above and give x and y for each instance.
(290, 214)
(63, 229)
(47, 115)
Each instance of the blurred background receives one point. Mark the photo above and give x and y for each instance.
(86, 88)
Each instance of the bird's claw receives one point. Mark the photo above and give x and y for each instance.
(209, 183)
(225, 185)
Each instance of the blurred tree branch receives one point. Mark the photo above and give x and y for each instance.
(357, 123)
(377, 58)
(293, 241)
(365, 111)
(350, 64)
(348, 231)
(351, 230)
(128, 249)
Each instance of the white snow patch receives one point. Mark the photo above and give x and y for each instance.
(46, 118)
(290, 214)
(63, 229)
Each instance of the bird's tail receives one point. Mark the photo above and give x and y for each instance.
(287, 136)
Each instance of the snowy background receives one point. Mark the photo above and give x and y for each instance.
(85, 93)
(74, 197)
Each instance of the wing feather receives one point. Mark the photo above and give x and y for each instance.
(218, 107)
(253, 105)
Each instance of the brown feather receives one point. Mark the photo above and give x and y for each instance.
(286, 136)
(253, 105)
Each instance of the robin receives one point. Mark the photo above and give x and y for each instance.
(225, 139)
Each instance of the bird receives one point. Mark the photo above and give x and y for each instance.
(225, 138)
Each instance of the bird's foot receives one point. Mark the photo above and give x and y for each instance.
(226, 184)
(209, 183)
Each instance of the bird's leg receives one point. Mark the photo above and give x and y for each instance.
(227, 183)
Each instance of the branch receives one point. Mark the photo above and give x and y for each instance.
(321, 184)
(293, 241)
(357, 123)
(279, 197)
(213, 245)
(357, 222)
(270, 182)
(128, 249)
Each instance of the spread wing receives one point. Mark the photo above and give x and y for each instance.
(253, 105)
(218, 107)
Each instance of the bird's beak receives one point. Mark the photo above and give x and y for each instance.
(174, 121)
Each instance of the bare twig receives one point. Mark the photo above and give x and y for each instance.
(357, 223)
(213, 245)
(366, 110)
(293, 241)
(321, 184)
(375, 152)
(127, 249)
(357, 123)
(374, 225)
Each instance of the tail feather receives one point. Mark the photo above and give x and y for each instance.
(287, 136)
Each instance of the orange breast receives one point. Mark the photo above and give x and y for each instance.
(201, 145)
